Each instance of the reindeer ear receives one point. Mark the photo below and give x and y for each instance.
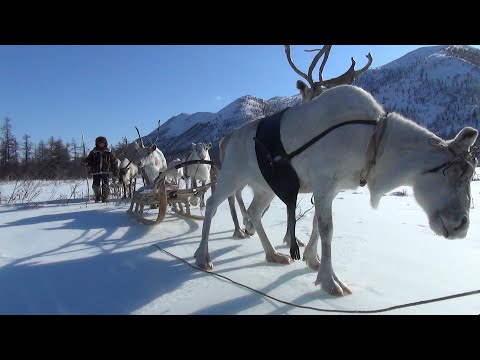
(464, 139)
(301, 86)
(136, 145)
(305, 91)
(153, 148)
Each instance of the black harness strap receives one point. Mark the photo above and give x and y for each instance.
(194, 162)
(326, 132)
(273, 159)
(277, 170)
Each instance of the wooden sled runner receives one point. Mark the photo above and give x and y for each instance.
(162, 193)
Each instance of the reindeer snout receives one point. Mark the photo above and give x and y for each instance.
(463, 223)
(458, 228)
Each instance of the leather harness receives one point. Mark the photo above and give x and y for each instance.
(277, 170)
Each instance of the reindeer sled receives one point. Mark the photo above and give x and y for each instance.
(165, 193)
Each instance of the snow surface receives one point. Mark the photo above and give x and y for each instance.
(58, 259)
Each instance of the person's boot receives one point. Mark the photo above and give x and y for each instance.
(98, 193)
(105, 193)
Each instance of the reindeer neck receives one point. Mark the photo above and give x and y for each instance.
(403, 155)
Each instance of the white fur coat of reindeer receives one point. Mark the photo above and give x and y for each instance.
(405, 156)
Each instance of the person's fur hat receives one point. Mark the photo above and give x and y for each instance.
(100, 139)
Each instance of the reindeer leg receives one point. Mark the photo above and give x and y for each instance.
(202, 197)
(326, 276)
(310, 255)
(249, 228)
(129, 211)
(260, 201)
(193, 199)
(238, 233)
(286, 238)
(226, 186)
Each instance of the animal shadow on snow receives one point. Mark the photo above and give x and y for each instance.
(110, 282)
(250, 300)
(105, 283)
(117, 283)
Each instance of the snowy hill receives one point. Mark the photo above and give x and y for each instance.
(177, 134)
(438, 86)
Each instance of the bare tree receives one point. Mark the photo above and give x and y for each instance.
(74, 149)
(121, 148)
(41, 152)
(26, 149)
(9, 144)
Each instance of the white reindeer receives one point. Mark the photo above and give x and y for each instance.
(195, 172)
(128, 176)
(175, 177)
(150, 158)
(308, 93)
(394, 152)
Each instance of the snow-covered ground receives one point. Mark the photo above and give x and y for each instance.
(72, 259)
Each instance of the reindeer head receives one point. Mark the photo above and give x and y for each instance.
(123, 169)
(201, 149)
(317, 87)
(144, 154)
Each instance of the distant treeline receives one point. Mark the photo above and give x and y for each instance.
(48, 159)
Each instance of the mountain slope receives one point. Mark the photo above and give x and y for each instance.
(438, 87)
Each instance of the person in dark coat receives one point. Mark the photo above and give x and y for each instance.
(102, 162)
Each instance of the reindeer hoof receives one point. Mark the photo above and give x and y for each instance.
(279, 258)
(332, 284)
(313, 264)
(249, 228)
(203, 261)
(204, 265)
(239, 234)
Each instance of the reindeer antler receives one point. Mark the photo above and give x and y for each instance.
(325, 50)
(302, 74)
(140, 137)
(158, 134)
(349, 76)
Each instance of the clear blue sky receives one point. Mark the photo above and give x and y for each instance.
(64, 91)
